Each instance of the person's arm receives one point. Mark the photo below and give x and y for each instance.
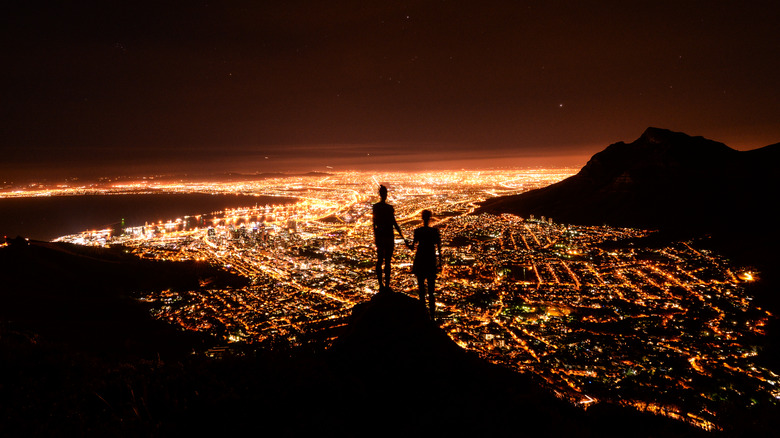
(438, 247)
(398, 227)
(373, 219)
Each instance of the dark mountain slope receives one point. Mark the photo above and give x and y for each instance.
(663, 180)
(395, 373)
(86, 296)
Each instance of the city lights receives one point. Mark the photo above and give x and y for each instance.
(665, 330)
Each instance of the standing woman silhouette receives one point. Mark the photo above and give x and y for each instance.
(427, 260)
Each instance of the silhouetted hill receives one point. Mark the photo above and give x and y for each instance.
(393, 372)
(86, 297)
(396, 373)
(663, 180)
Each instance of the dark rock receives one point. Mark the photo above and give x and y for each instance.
(663, 180)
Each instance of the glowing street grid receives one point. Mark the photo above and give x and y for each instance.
(669, 331)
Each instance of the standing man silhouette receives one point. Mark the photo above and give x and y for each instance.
(427, 260)
(383, 223)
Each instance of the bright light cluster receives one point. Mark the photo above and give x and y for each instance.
(665, 330)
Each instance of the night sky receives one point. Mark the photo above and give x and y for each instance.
(158, 87)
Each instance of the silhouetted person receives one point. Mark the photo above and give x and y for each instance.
(427, 261)
(384, 222)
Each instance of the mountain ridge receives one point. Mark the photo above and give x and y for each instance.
(663, 180)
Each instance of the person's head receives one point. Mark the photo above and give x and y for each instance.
(426, 216)
(383, 192)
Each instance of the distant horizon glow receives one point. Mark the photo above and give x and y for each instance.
(288, 163)
(148, 87)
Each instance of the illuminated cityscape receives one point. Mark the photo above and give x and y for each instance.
(667, 330)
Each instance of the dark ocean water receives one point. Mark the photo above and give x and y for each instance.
(46, 218)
